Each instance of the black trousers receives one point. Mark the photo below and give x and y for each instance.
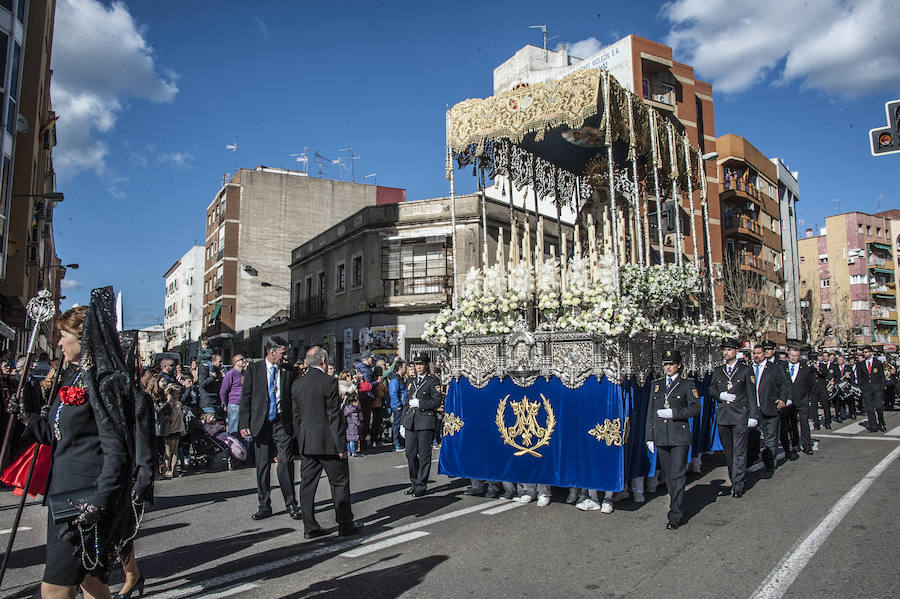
(874, 404)
(768, 430)
(272, 440)
(673, 460)
(818, 398)
(802, 416)
(734, 439)
(418, 456)
(786, 429)
(338, 472)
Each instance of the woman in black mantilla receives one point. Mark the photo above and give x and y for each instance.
(90, 425)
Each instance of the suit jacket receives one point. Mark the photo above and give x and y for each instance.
(319, 422)
(803, 384)
(785, 369)
(684, 401)
(738, 411)
(254, 407)
(871, 384)
(836, 376)
(424, 417)
(771, 386)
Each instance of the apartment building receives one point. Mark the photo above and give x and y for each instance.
(788, 196)
(183, 320)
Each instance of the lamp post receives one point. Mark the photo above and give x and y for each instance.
(53, 196)
(267, 284)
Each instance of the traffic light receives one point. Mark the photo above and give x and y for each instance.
(886, 140)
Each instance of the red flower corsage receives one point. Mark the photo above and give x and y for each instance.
(72, 396)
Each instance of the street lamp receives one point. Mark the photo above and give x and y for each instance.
(267, 284)
(53, 196)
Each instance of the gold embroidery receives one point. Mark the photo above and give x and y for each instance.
(656, 389)
(526, 425)
(610, 432)
(696, 395)
(452, 424)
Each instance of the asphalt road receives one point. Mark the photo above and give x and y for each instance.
(823, 526)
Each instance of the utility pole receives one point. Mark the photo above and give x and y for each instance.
(838, 200)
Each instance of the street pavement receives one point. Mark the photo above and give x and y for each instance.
(823, 526)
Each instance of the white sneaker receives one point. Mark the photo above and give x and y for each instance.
(587, 505)
(607, 507)
(543, 501)
(523, 498)
(639, 498)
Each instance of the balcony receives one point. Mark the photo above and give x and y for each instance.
(734, 187)
(220, 254)
(418, 286)
(883, 313)
(875, 261)
(662, 94)
(309, 308)
(882, 289)
(743, 225)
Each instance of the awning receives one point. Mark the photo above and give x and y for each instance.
(880, 246)
(215, 313)
(885, 321)
(880, 269)
(884, 295)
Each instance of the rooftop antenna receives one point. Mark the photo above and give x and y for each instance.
(838, 200)
(340, 163)
(321, 161)
(878, 204)
(543, 29)
(234, 147)
(373, 176)
(303, 158)
(352, 158)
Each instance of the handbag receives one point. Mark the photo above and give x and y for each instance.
(63, 505)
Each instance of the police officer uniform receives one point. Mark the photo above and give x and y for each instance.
(420, 420)
(673, 402)
(734, 389)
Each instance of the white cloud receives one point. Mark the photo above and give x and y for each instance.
(262, 27)
(842, 47)
(176, 158)
(582, 48)
(69, 284)
(100, 58)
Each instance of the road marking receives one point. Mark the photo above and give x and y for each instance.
(402, 466)
(241, 588)
(325, 550)
(782, 577)
(894, 432)
(502, 508)
(760, 464)
(851, 429)
(365, 549)
(865, 437)
(6, 531)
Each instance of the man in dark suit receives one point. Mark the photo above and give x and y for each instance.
(264, 415)
(321, 432)
(673, 402)
(819, 395)
(842, 371)
(419, 422)
(870, 376)
(803, 383)
(736, 411)
(771, 396)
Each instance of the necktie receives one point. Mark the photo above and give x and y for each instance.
(728, 368)
(668, 384)
(792, 370)
(870, 367)
(756, 366)
(273, 400)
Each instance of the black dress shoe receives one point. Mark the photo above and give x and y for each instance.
(419, 493)
(492, 495)
(475, 492)
(671, 526)
(794, 456)
(737, 494)
(262, 514)
(808, 450)
(351, 528)
(409, 491)
(294, 512)
(314, 533)
(828, 427)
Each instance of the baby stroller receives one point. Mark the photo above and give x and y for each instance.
(205, 438)
(235, 452)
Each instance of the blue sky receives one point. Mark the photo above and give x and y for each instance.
(149, 94)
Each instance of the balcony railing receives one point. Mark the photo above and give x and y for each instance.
(219, 254)
(309, 308)
(743, 222)
(417, 286)
(876, 261)
(660, 93)
(735, 184)
(881, 289)
(883, 312)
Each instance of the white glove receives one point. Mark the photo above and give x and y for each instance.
(727, 397)
(414, 402)
(402, 431)
(752, 422)
(664, 413)
(789, 403)
(651, 446)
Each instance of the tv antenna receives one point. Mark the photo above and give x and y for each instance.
(321, 161)
(303, 158)
(373, 176)
(234, 148)
(838, 200)
(544, 30)
(340, 164)
(352, 158)
(878, 203)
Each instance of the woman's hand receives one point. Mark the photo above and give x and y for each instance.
(142, 484)
(90, 513)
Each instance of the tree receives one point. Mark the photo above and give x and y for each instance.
(750, 301)
(812, 320)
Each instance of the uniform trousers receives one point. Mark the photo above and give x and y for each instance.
(768, 430)
(802, 416)
(271, 440)
(874, 404)
(418, 457)
(338, 472)
(786, 434)
(734, 439)
(673, 459)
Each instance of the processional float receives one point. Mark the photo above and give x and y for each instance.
(548, 355)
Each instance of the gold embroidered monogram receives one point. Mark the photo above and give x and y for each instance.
(532, 435)
(610, 432)
(452, 424)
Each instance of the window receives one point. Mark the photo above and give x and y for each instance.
(20, 11)
(802, 259)
(700, 129)
(858, 279)
(877, 231)
(357, 271)
(859, 228)
(826, 307)
(869, 230)
(415, 266)
(340, 277)
(860, 305)
(823, 259)
(13, 91)
(7, 4)
(4, 42)
(825, 283)
(323, 286)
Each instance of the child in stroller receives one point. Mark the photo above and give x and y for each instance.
(205, 437)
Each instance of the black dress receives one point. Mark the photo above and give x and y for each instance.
(84, 455)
